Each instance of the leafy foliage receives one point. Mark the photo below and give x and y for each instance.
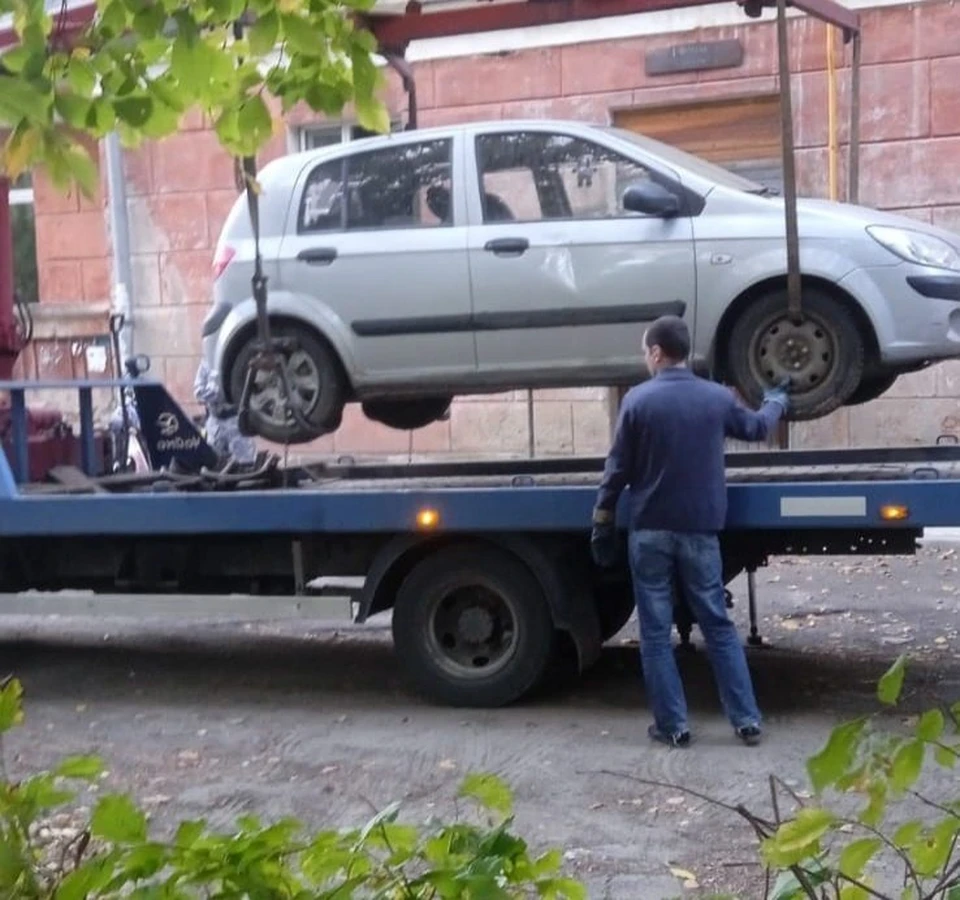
(112, 855)
(825, 853)
(141, 65)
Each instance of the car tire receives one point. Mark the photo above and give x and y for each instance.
(824, 356)
(407, 415)
(314, 372)
(871, 388)
(491, 592)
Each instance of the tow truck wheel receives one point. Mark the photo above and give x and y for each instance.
(823, 355)
(472, 627)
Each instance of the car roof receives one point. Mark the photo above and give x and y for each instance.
(359, 145)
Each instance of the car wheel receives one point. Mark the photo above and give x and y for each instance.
(872, 388)
(316, 381)
(407, 415)
(824, 355)
(472, 627)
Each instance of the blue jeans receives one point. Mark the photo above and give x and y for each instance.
(661, 561)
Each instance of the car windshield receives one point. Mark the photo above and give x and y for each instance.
(694, 164)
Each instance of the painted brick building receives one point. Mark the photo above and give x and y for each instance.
(180, 190)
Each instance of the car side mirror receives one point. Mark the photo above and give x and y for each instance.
(651, 199)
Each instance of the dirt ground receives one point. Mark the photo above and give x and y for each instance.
(312, 720)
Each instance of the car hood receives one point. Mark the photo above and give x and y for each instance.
(830, 213)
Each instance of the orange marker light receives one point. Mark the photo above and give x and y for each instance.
(893, 513)
(428, 518)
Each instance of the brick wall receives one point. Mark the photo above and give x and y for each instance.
(181, 189)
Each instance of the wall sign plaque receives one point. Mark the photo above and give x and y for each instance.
(694, 57)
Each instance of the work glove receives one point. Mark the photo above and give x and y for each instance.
(779, 394)
(604, 546)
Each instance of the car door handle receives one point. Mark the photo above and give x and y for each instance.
(507, 246)
(318, 256)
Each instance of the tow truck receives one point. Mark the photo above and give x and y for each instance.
(483, 565)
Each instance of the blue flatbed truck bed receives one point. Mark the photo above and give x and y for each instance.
(484, 564)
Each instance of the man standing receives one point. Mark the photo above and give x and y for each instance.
(669, 448)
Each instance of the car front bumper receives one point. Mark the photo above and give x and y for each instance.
(915, 311)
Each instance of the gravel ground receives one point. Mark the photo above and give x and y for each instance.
(219, 718)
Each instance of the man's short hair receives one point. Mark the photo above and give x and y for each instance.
(672, 335)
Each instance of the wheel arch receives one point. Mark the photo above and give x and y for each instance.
(246, 331)
(567, 591)
(720, 344)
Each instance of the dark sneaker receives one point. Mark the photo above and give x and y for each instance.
(750, 735)
(680, 739)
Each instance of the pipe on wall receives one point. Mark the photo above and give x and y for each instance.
(119, 226)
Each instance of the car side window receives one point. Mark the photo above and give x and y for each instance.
(321, 207)
(405, 186)
(537, 176)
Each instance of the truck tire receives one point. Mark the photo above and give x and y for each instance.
(824, 355)
(314, 373)
(472, 627)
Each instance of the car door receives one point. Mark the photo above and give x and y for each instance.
(563, 277)
(388, 268)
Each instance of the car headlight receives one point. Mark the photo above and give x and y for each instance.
(917, 247)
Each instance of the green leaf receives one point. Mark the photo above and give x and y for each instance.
(945, 756)
(135, 110)
(930, 852)
(264, 33)
(16, 58)
(877, 806)
(798, 838)
(191, 65)
(189, 833)
(809, 825)
(20, 99)
(254, 124)
(907, 833)
(86, 767)
(116, 819)
(786, 887)
(825, 767)
(83, 170)
(73, 109)
(82, 76)
(372, 115)
(853, 892)
(87, 880)
(302, 36)
(907, 764)
(12, 866)
(489, 791)
(856, 855)
(562, 889)
(931, 725)
(150, 20)
(890, 685)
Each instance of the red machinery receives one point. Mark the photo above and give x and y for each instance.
(50, 438)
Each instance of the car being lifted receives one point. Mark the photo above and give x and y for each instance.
(476, 258)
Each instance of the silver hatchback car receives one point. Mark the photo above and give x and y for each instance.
(477, 258)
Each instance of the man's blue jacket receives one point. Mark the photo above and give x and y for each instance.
(669, 449)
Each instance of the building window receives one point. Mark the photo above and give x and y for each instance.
(23, 228)
(313, 137)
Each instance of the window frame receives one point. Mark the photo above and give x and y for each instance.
(345, 159)
(546, 134)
